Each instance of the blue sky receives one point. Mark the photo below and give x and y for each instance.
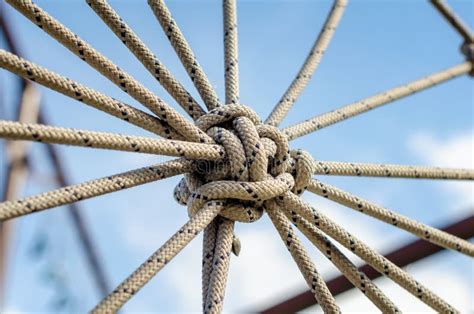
(378, 45)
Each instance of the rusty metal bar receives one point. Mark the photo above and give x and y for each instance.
(454, 20)
(403, 256)
(78, 221)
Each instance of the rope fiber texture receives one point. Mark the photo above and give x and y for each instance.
(235, 168)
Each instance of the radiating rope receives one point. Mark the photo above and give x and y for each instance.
(93, 188)
(185, 53)
(216, 275)
(208, 245)
(220, 267)
(422, 231)
(107, 68)
(307, 268)
(131, 285)
(75, 137)
(337, 168)
(344, 264)
(231, 52)
(309, 66)
(356, 108)
(370, 256)
(70, 88)
(454, 20)
(146, 57)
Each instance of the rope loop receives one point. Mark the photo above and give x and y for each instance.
(258, 166)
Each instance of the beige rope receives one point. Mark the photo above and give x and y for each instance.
(131, 285)
(347, 268)
(99, 62)
(423, 231)
(93, 188)
(370, 256)
(231, 53)
(216, 276)
(65, 86)
(208, 244)
(146, 57)
(336, 168)
(454, 20)
(309, 66)
(351, 110)
(185, 54)
(220, 267)
(307, 268)
(56, 135)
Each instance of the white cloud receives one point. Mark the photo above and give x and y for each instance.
(457, 152)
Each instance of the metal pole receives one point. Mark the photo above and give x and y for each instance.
(78, 221)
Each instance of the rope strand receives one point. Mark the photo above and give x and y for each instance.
(107, 68)
(370, 256)
(72, 89)
(309, 66)
(335, 168)
(307, 268)
(347, 268)
(185, 53)
(139, 144)
(93, 188)
(356, 108)
(146, 57)
(422, 231)
(116, 299)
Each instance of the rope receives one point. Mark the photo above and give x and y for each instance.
(454, 20)
(56, 135)
(231, 53)
(347, 268)
(249, 170)
(309, 66)
(131, 285)
(72, 89)
(215, 276)
(351, 110)
(370, 256)
(335, 168)
(220, 267)
(93, 188)
(307, 268)
(103, 65)
(185, 54)
(422, 231)
(146, 57)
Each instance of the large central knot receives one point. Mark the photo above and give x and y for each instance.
(258, 166)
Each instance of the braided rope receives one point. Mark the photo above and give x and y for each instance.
(215, 276)
(185, 54)
(358, 107)
(248, 167)
(220, 267)
(143, 274)
(350, 271)
(107, 68)
(70, 88)
(336, 168)
(370, 256)
(307, 268)
(309, 66)
(146, 57)
(56, 135)
(93, 188)
(422, 231)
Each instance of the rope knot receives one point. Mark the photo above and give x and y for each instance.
(254, 170)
